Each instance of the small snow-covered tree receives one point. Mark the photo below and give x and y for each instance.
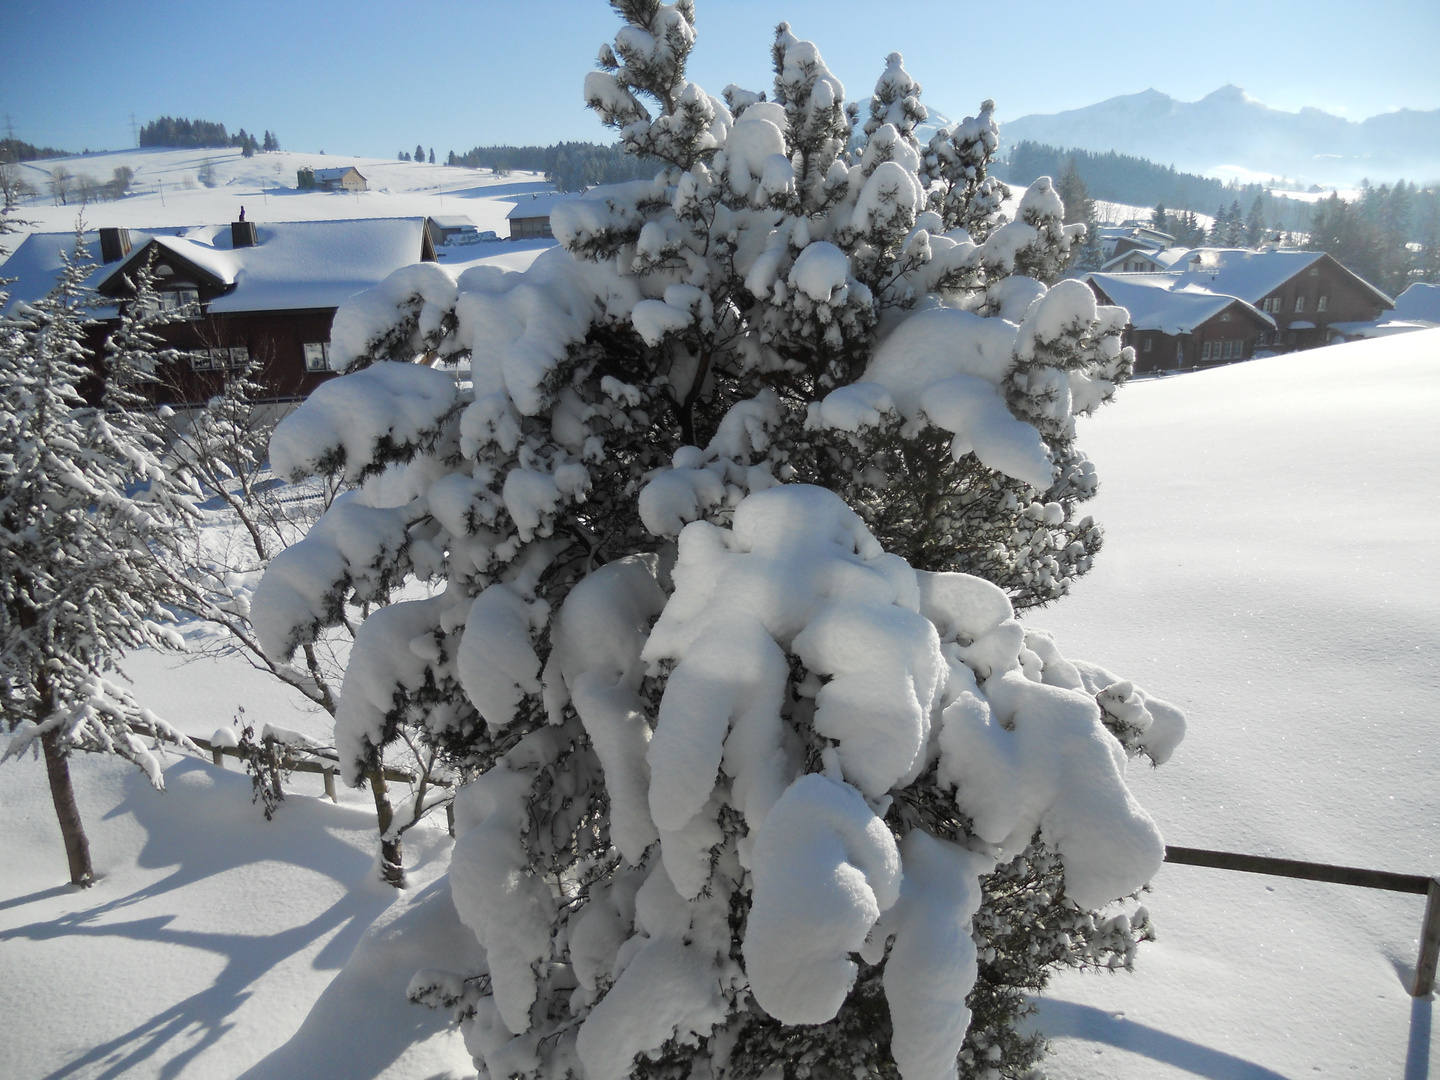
(726, 538)
(84, 508)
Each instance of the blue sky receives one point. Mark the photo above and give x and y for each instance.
(370, 78)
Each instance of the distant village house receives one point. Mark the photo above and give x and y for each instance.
(1218, 305)
(346, 178)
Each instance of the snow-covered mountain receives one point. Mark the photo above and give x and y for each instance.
(1228, 132)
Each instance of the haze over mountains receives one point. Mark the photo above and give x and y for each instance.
(1230, 133)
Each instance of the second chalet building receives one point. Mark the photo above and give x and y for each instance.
(1218, 305)
(253, 292)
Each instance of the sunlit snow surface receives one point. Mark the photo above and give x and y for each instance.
(1269, 567)
(1273, 542)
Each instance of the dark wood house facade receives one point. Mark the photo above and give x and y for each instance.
(1304, 292)
(1219, 305)
(247, 294)
(1185, 330)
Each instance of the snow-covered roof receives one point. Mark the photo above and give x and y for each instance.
(1165, 258)
(338, 173)
(540, 205)
(1383, 328)
(1419, 303)
(36, 263)
(1254, 275)
(453, 222)
(1156, 303)
(293, 264)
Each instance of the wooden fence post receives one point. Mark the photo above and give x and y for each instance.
(330, 785)
(217, 755)
(1429, 943)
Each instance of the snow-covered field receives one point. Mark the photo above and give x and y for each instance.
(167, 191)
(1270, 567)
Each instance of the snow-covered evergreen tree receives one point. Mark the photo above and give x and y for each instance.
(1079, 207)
(84, 508)
(758, 778)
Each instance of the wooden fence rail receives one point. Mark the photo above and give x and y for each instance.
(320, 761)
(1429, 887)
(326, 762)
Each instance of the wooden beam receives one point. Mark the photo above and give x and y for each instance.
(319, 763)
(1429, 944)
(1294, 868)
(1429, 956)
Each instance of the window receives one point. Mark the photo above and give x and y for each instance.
(185, 298)
(317, 356)
(1149, 345)
(176, 299)
(219, 359)
(1262, 339)
(1299, 304)
(1323, 304)
(1205, 351)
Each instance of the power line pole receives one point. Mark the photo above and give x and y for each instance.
(134, 130)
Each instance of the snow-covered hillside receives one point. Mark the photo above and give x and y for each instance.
(1270, 567)
(167, 190)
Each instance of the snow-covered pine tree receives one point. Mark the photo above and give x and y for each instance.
(84, 506)
(757, 780)
(1079, 207)
(957, 166)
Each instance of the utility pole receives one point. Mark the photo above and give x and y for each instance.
(134, 130)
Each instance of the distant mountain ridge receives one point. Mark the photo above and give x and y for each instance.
(1230, 128)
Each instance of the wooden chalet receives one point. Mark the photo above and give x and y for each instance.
(251, 292)
(1182, 330)
(1305, 292)
(1287, 300)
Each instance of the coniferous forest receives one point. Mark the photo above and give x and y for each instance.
(570, 166)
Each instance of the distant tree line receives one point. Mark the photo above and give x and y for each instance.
(1121, 178)
(570, 166)
(171, 131)
(13, 150)
(1390, 236)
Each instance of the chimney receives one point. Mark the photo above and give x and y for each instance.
(114, 244)
(242, 234)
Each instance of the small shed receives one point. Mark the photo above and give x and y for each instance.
(452, 230)
(530, 218)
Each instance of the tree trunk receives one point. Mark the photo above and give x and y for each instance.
(77, 847)
(392, 862)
